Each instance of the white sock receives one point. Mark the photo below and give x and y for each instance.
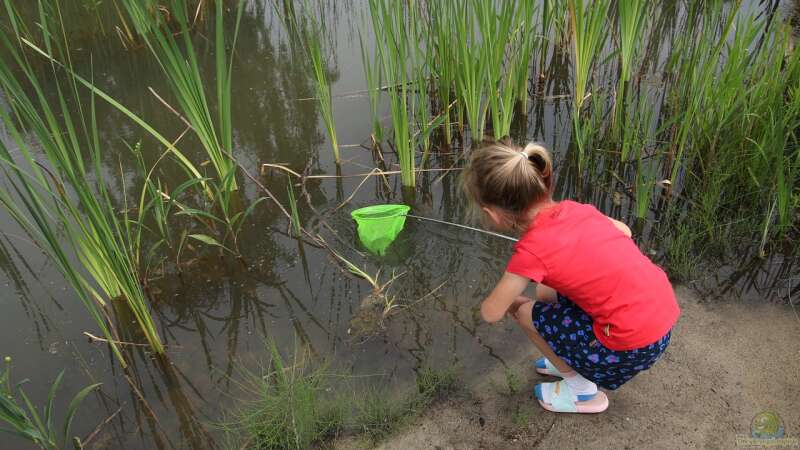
(580, 385)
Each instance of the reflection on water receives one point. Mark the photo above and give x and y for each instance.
(215, 312)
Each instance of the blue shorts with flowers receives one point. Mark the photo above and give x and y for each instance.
(568, 330)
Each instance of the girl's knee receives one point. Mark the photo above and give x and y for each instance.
(524, 315)
(546, 293)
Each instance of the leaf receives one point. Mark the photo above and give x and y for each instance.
(206, 239)
(72, 409)
(51, 396)
(194, 213)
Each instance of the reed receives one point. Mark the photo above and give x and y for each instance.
(54, 191)
(631, 22)
(372, 75)
(472, 75)
(587, 30)
(313, 45)
(295, 214)
(500, 50)
(442, 59)
(528, 40)
(732, 147)
(395, 30)
(177, 57)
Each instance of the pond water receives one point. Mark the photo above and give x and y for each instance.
(216, 313)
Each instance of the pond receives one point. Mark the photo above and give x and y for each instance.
(217, 312)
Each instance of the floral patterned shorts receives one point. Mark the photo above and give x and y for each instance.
(568, 330)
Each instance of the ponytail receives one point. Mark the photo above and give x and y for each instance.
(504, 175)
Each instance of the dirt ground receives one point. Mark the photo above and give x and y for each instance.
(726, 363)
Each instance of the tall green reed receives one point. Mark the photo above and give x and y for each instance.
(313, 45)
(56, 192)
(472, 74)
(528, 39)
(500, 49)
(395, 26)
(372, 74)
(731, 129)
(442, 58)
(178, 59)
(587, 29)
(631, 22)
(306, 30)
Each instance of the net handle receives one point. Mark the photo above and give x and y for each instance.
(490, 233)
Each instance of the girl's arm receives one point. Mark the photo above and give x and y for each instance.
(503, 295)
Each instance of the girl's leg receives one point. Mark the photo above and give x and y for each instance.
(524, 318)
(546, 294)
(585, 393)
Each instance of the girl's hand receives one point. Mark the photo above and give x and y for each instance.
(519, 301)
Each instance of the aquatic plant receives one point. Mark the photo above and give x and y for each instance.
(66, 212)
(587, 30)
(631, 22)
(441, 58)
(379, 289)
(313, 45)
(395, 26)
(177, 57)
(286, 407)
(472, 74)
(526, 34)
(289, 404)
(18, 413)
(295, 219)
(501, 38)
(306, 30)
(372, 74)
(732, 130)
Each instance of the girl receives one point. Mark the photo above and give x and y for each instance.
(603, 311)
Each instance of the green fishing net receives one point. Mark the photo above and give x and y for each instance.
(379, 225)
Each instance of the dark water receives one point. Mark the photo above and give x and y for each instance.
(215, 313)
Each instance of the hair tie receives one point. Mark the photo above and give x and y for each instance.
(523, 154)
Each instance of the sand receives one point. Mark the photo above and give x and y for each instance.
(726, 363)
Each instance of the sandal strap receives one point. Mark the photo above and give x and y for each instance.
(551, 367)
(561, 397)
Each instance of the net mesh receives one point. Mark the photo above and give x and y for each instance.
(379, 225)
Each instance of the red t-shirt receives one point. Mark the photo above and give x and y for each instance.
(576, 250)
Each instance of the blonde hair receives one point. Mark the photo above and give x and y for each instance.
(508, 177)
